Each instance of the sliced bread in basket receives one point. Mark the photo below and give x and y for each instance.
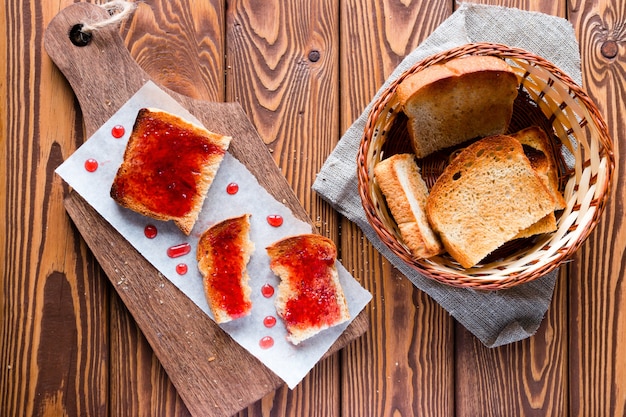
(485, 197)
(406, 192)
(464, 98)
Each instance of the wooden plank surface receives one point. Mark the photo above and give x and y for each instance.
(407, 357)
(596, 302)
(511, 381)
(414, 360)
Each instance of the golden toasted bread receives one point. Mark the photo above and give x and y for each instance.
(462, 99)
(405, 191)
(485, 197)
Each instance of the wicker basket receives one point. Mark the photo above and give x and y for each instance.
(567, 114)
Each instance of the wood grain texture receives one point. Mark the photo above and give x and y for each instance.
(302, 72)
(182, 52)
(407, 356)
(597, 303)
(281, 67)
(207, 387)
(526, 378)
(53, 299)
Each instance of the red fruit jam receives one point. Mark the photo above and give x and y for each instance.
(177, 251)
(267, 290)
(275, 220)
(266, 342)
(269, 321)
(150, 231)
(91, 165)
(166, 162)
(228, 265)
(181, 269)
(118, 131)
(232, 188)
(315, 297)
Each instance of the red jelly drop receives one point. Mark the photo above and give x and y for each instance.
(269, 321)
(118, 131)
(91, 165)
(181, 269)
(275, 220)
(232, 188)
(150, 231)
(178, 250)
(267, 290)
(266, 342)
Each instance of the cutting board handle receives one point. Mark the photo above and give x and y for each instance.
(102, 73)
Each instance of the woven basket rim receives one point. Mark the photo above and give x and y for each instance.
(494, 276)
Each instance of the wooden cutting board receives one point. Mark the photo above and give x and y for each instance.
(213, 374)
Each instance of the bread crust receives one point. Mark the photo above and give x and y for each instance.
(223, 254)
(462, 99)
(166, 176)
(309, 297)
(406, 193)
(545, 165)
(485, 197)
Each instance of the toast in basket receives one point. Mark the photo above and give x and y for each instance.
(485, 197)
(406, 192)
(461, 99)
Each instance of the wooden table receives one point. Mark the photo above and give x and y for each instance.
(302, 71)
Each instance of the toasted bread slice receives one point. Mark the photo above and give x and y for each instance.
(405, 191)
(485, 197)
(223, 253)
(309, 298)
(540, 152)
(462, 99)
(547, 224)
(168, 167)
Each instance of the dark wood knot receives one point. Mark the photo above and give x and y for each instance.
(609, 49)
(314, 56)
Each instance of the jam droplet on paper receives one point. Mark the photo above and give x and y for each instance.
(232, 188)
(181, 269)
(178, 250)
(118, 131)
(269, 321)
(266, 342)
(267, 290)
(91, 165)
(150, 231)
(275, 220)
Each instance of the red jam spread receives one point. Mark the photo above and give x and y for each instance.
(314, 303)
(165, 166)
(228, 267)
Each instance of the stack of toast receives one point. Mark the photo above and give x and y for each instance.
(497, 187)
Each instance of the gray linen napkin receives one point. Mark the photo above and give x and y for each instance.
(495, 318)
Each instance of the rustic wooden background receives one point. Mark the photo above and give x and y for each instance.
(303, 71)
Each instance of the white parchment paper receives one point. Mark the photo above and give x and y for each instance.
(291, 363)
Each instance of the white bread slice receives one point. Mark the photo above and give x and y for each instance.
(462, 99)
(168, 167)
(223, 254)
(485, 197)
(309, 297)
(405, 191)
